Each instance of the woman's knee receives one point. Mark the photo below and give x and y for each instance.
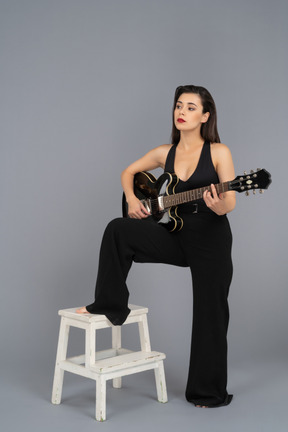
(115, 225)
(119, 226)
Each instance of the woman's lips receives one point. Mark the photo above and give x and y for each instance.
(180, 120)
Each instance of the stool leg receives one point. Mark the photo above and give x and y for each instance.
(90, 346)
(100, 398)
(144, 334)
(61, 355)
(161, 382)
(116, 344)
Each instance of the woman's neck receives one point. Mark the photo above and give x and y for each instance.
(190, 139)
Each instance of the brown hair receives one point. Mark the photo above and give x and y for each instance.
(208, 130)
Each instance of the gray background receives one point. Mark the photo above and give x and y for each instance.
(86, 88)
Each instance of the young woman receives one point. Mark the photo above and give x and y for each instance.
(203, 244)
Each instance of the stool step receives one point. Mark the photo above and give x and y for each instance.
(125, 361)
(116, 366)
(87, 317)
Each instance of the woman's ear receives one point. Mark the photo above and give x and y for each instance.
(205, 117)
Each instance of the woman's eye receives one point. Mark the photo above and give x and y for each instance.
(180, 107)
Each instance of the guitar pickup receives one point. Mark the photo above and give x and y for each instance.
(148, 205)
(161, 203)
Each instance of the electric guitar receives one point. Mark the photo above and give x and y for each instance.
(161, 201)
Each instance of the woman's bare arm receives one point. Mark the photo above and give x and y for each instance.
(222, 160)
(153, 159)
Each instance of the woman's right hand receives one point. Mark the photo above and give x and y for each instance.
(136, 209)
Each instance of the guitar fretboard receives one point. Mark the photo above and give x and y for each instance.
(192, 195)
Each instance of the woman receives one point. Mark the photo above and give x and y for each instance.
(203, 244)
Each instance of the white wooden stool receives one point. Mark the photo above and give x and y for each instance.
(109, 364)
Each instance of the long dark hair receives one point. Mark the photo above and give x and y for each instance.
(208, 130)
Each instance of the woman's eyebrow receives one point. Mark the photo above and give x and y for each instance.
(189, 103)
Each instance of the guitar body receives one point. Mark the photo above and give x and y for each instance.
(150, 191)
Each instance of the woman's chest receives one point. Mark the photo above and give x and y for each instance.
(186, 162)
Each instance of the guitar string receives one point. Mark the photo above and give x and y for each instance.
(154, 201)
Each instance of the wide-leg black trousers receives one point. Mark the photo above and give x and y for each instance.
(204, 245)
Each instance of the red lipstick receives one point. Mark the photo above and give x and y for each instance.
(180, 120)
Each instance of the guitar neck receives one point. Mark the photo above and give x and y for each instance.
(192, 195)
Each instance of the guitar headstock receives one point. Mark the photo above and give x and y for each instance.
(259, 179)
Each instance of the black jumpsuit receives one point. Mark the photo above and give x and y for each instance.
(204, 245)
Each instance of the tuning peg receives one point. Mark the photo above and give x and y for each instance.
(251, 171)
(261, 191)
(247, 193)
(245, 172)
(254, 192)
(258, 169)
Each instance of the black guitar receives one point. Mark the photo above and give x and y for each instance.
(159, 199)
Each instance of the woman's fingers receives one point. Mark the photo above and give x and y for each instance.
(138, 211)
(214, 201)
(211, 197)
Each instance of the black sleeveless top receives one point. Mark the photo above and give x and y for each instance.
(204, 174)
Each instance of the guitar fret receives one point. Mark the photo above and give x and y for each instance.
(192, 195)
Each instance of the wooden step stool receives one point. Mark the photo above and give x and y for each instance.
(109, 364)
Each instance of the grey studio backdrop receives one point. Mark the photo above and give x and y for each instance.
(87, 88)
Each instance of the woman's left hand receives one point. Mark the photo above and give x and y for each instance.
(214, 201)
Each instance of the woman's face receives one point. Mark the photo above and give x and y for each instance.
(188, 112)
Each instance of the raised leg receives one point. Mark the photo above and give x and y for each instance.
(101, 399)
(61, 355)
(126, 240)
(161, 383)
(116, 344)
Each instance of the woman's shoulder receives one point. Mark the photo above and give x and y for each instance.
(161, 153)
(164, 147)
(162, 150)
(220, 150)
(221, 156)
